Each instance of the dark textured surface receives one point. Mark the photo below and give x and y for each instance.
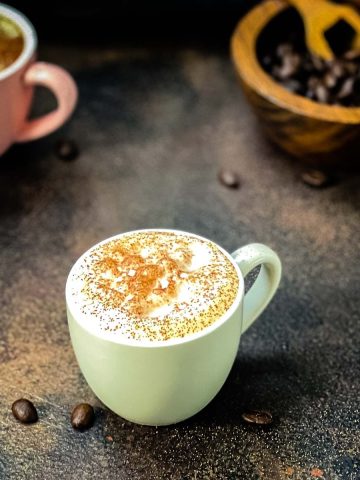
(154, 128)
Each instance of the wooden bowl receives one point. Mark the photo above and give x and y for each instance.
(320, 135)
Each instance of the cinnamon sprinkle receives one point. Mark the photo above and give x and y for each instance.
(155, 285)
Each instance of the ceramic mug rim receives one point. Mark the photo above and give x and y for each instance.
(30, 39)
(79, 317)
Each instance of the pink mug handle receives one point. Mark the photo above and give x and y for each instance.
(64, 88)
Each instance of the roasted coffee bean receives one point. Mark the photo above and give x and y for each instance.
(315, 178)
(260, 417)
(292, 85)
(267, 60)
(330, 80)
(351, 68)
(310, 94)
(24, 411)
(229, 178)
(307, 63)
(352, 55)
(284, 49)
(312, 83)
(82, 416)
(337, 68)
(321, 93)
(280, 73)
(347, 88)
(67, 150)
(318, 63)
(289, 67)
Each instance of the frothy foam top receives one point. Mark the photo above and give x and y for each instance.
(153, 285)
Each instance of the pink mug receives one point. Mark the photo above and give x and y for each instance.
(17, 83)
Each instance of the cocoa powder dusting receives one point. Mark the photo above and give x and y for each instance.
(150, 285)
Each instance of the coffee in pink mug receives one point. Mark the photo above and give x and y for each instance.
(17, 82)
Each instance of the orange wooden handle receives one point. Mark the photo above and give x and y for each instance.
(304, 6)
(318, 16)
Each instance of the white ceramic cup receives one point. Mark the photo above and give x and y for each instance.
(165, 382)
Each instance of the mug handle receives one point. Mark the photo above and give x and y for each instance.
(266, 283)
(64, 88)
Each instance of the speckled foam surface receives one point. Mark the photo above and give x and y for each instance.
(154, 128)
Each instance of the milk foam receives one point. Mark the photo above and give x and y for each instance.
(152, 285)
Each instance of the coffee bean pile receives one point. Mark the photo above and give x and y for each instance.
(334, 82)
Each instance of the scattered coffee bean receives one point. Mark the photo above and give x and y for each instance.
(24, 411)
(67, 150)
(315, 178)
(260, 417)
(82, 416)
(229, 178)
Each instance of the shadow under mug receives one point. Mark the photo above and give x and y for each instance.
(17, 83)
(165, 382)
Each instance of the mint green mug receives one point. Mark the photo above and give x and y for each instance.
(165, 382)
